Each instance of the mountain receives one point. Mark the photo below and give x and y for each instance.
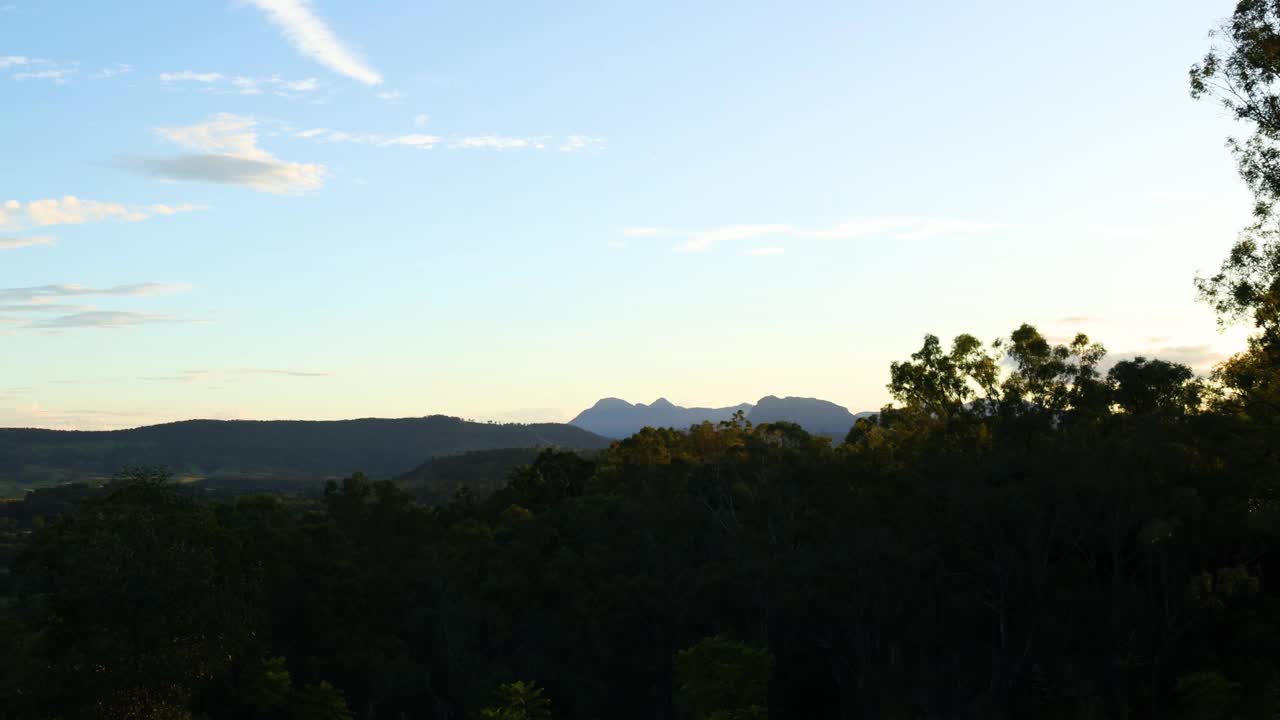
(616, 418)
(286, 450)
(819, 417)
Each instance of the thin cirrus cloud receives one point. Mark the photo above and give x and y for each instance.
(424, 141)
(579, 143)
(228, 375)
(903, 228)
(105, 319)
(311, 35)
(113, 71)
(53, 313)
(71, 210)
(226, 151)
(215, 82)
(24, 242)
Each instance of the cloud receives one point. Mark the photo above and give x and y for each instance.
(700, 241)
(1201, 358)
(59, 76)
(391, 96)
(421, 119)
(576, 143)
(189, 76)
(495, 142)
(241, 84)
(226, 375)
(325, 135)
(47, 293)
(46, 301)
(227, 151)
(7, 61)
(762, 251)
(903, 228)
(101, 319)
(24, 242)
(311, 36)
(1077, 320)
(71, 210)
(110, 72)
(421, 141)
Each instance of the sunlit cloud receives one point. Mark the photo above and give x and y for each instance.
(311, 36)
(105, 319)
(49, 293)
(226, 151)
(25, 242)
(71, 210)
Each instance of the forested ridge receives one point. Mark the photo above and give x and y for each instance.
(1028, 530)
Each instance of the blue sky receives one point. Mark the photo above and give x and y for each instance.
(282, 209)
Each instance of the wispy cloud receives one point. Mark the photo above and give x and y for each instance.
(227, 151)
(53, 314)
(903, 228)
(8, 61)
(578, 143)
(421, 119)
(220, 83)
(225, 375)
(311, 36)
(71, 210)
(101, 319)
(423, 141)
(763, 251)
(24, 242)
(391, 95)
(60, 76)
(191, 76)
(498, 142)
(48, 293)
(113, 71)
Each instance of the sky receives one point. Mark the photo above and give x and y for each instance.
(273, 209)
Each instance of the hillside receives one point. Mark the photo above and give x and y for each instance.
(286, 450)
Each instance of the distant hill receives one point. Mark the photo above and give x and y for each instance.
(479, 471)
(616, 418)
(279, 450)
(820, 417)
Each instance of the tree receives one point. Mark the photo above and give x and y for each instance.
(719, 679)
(518, 700)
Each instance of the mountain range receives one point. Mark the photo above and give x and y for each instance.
(616, 418)
(279, 450)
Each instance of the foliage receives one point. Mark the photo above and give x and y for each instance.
(519, 700)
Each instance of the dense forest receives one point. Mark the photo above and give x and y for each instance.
(1028, 530)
